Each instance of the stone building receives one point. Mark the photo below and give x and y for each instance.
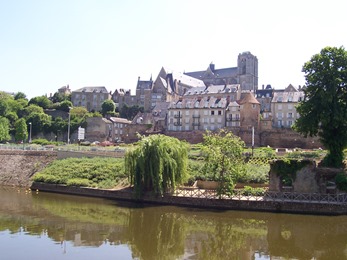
(98, 129)
(120, 129)
(170, 85)
(90, 97)
(283, 106)
(245, 74)
(214, 108)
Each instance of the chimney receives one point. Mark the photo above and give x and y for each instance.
(212, 67)
(262, 86)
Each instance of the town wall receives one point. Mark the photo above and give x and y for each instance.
(277, 138)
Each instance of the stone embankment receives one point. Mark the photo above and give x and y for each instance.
(18, 166)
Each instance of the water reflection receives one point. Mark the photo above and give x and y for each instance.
(156, 232)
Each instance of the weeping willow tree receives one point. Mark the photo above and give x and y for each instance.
(158, 164)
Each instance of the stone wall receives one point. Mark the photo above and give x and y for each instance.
(278, 138)
(225, 204)
(17, 166)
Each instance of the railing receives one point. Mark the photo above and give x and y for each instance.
(306, 197)
(268, 196)
(31, 147)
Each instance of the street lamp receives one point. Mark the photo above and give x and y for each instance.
(68, 127)
(29, 132)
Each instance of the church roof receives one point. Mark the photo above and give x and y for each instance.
(217, 73)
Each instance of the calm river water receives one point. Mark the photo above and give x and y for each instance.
(53, 226)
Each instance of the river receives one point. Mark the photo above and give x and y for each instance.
(39, 225)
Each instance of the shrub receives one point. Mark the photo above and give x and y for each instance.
(249, 191)
(255, 174)
(341, 181)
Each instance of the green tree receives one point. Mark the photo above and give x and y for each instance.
(130, 112)
(4, 129)
(323, 111)
(40, 122)
(107, 106)
(21, 130)
(41, 101)
(222, 151)
(158, 164)
(59, 97)
(20, 95)
(31, 109)
(65, 105)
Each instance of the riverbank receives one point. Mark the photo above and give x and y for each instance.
(265, 205)
(18, 166)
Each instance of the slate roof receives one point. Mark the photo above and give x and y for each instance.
(92, 89)
(144, 84)
(205, 102)
(185, 79)
(120, 120)
(217, 73)
(213, 89)
(288, 96)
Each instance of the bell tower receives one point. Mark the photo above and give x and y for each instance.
(247, 65)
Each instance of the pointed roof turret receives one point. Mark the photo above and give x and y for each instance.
(248, 97)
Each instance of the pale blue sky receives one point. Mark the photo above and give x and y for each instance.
(46, 44)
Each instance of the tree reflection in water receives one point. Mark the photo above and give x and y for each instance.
(163, 232)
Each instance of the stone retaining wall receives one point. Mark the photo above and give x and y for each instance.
(269, 206)
(17, 166)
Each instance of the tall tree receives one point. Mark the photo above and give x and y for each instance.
(323, 111)
(21, 130)
(158, 164)
(107, 106)
(4, 129)
(223, 158)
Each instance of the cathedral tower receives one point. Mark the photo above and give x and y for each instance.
(247, 65)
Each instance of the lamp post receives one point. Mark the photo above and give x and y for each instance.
(68, 127)
(30, 132)
(252, 140)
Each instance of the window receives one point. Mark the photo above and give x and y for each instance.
(212, 113)
(205, 112)
(187, 112)
(254, 106)
(279, 106)
(219, 112)
(290, 106)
